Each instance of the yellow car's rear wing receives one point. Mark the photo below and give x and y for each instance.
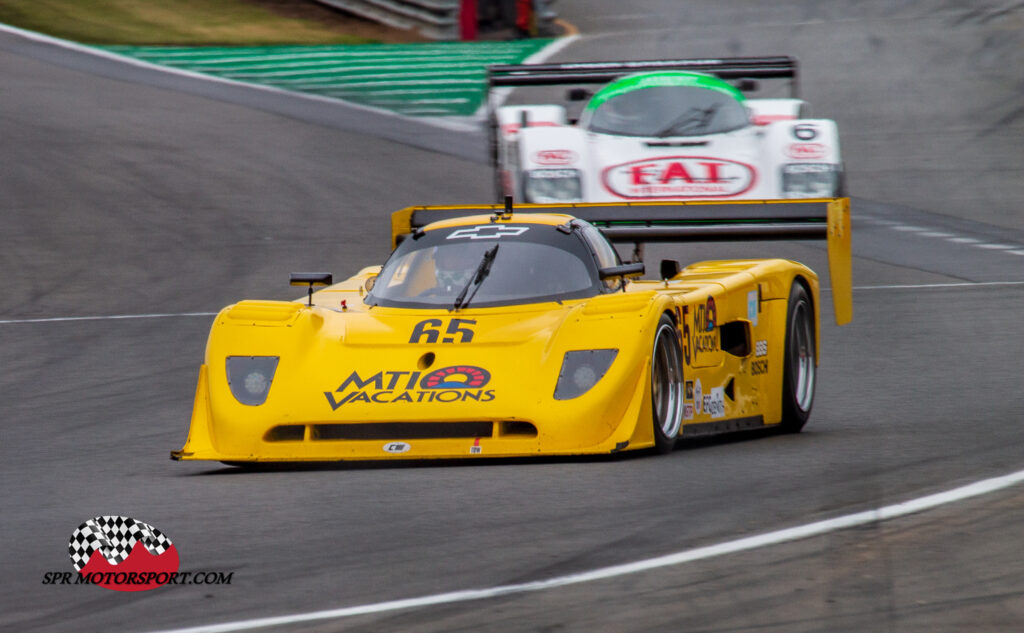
(673, 221)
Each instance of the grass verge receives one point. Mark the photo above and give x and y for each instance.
(194, 22)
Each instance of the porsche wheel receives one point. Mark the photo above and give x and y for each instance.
(666, 385)
(799, 364)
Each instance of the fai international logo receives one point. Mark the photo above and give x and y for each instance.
(679, 177)
(123, 554)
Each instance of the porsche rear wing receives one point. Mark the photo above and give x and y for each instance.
(780, 67)
(687, 221)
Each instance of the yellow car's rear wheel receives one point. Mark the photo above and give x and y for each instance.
(800, 365)
(666, 385)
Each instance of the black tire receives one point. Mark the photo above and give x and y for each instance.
(666, 385)
(800, 362)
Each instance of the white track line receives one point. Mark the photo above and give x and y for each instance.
(777, 537)
(499, 95)
(109, 317)
(964, 284)
(165, 315)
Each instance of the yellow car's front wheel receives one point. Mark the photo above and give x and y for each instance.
(799, 366)
(666, 385)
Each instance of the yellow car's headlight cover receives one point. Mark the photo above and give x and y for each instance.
(581, 370)
(250, 377)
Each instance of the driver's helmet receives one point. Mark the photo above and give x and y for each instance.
(454, 264)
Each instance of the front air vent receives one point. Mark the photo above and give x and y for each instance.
(401, 430)
(676, 143)
(517, 428)
(286, 433)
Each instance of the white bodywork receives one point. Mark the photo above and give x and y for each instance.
(746, 163)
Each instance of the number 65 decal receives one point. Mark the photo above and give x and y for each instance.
(430, 328)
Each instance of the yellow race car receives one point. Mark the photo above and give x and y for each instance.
(498, 332)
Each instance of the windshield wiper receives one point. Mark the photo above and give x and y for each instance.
(477, 279)
(697, 117)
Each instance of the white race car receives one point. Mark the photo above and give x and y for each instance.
(658, 130)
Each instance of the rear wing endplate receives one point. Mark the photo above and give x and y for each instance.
(686, 221)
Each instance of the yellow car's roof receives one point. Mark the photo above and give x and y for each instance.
(553, 219)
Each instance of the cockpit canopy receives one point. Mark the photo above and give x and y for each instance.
(665, 104)
(520, 262)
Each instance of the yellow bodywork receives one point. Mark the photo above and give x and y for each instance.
(349, 375)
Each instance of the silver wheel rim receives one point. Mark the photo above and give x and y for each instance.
(801, 357)
(666, 383)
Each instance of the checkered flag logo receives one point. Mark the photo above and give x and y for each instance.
(114, 537)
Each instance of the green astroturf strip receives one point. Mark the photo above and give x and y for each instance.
(416, 79)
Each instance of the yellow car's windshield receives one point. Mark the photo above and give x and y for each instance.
(532, 263)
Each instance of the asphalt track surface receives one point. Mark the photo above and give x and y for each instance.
(127, 193)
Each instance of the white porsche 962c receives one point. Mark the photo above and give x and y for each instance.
(657, 130)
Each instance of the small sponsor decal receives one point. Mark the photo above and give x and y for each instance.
(475, 449)
(765, 119)
(714, 403)
(510, 129)
(396, 447)
(487, 232)
(806, 150)
(752, 305)
(689, 390)
(698, 396)
(761, 348)
(705, 332)
(688, 411)
(679, 177)
(555, 157)
(758, 367)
